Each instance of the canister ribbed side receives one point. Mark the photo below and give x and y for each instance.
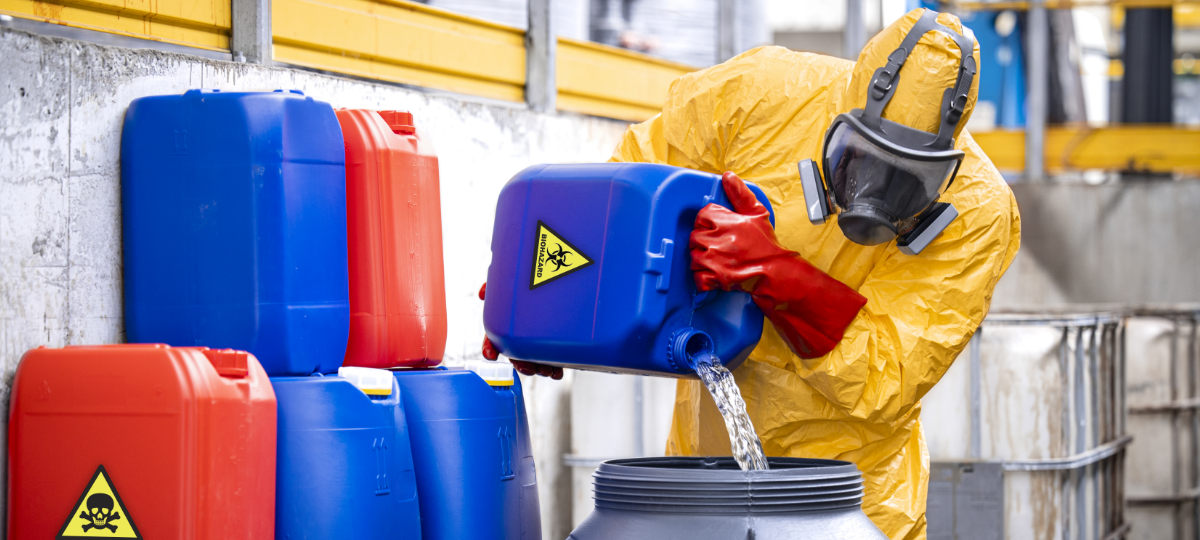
(686, 485)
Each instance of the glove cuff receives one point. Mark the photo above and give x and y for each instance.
(810, 309)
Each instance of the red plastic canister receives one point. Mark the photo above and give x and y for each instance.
(141, 441)
(394, 225)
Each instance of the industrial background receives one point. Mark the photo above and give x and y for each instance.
(1072, 415)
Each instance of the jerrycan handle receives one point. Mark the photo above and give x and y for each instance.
(659, 264)
(228, 362)
(659, 258)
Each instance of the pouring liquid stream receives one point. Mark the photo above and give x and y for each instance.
(746, 446)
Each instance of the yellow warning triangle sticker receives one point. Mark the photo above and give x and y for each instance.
(99, 512)
(554, 257)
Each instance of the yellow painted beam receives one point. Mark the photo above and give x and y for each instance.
(393, 40)
(1186, 66)
(1127, 147)
(1187, 16)
(1116, 68)
(608, 81)
(196, 23)
(1063, 4)
(402, 42)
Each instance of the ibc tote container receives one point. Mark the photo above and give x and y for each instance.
(141, 441)
(393, 206)
(1163, 463)
(1026, 431)
(234, 226)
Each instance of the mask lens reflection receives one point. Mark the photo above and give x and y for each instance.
(863, 174)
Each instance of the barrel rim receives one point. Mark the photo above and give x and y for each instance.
(733, 509)
(777, 498)
(724, 469)
(699, 485)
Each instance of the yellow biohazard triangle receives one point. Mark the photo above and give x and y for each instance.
(554, 257)
(99, 512)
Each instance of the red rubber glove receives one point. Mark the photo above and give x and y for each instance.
(522, 367)
(737, 250)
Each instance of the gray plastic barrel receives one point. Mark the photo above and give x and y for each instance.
(698, 498)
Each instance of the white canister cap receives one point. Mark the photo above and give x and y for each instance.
(372, 382)
(493, 372)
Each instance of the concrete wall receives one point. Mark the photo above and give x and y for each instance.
(61, 108)
(1133, 243)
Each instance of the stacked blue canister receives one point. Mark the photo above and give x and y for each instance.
(234, 228)
(489, 490)
(234, 218)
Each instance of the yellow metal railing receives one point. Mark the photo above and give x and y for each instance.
(1187, 16)
(196, 23)
(1181, 66)
(1129, 147)
(1022, 5)
(402, 42)
(411, 43)
(607, 81)
(392, 40)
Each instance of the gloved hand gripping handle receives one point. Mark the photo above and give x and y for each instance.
(737, 250)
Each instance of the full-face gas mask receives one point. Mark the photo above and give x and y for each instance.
(882, 178)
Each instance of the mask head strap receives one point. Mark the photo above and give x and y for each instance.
(954, 100)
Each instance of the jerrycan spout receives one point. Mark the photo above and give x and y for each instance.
(690, 347)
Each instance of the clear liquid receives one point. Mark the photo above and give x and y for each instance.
(747, 447)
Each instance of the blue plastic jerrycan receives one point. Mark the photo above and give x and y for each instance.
(345, 464)
(234, 226)
(474, 460)
(591, 270)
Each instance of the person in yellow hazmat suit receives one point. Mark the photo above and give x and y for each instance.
(851, 393)
(892, 229)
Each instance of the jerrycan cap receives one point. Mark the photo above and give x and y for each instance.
(494, 373)
(228, 362)
(687, 346)
(401, 122)
(372, 382)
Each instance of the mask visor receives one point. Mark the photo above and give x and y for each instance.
(869, 175)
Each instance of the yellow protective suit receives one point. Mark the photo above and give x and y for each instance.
(758, 115)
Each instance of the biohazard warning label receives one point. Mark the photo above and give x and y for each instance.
(554, 257)
(99, 513)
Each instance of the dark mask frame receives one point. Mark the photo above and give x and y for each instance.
(900, 139)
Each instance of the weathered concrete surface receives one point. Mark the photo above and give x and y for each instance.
(1131, 243)
(61, 107)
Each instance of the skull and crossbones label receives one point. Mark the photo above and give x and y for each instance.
(99, 513)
